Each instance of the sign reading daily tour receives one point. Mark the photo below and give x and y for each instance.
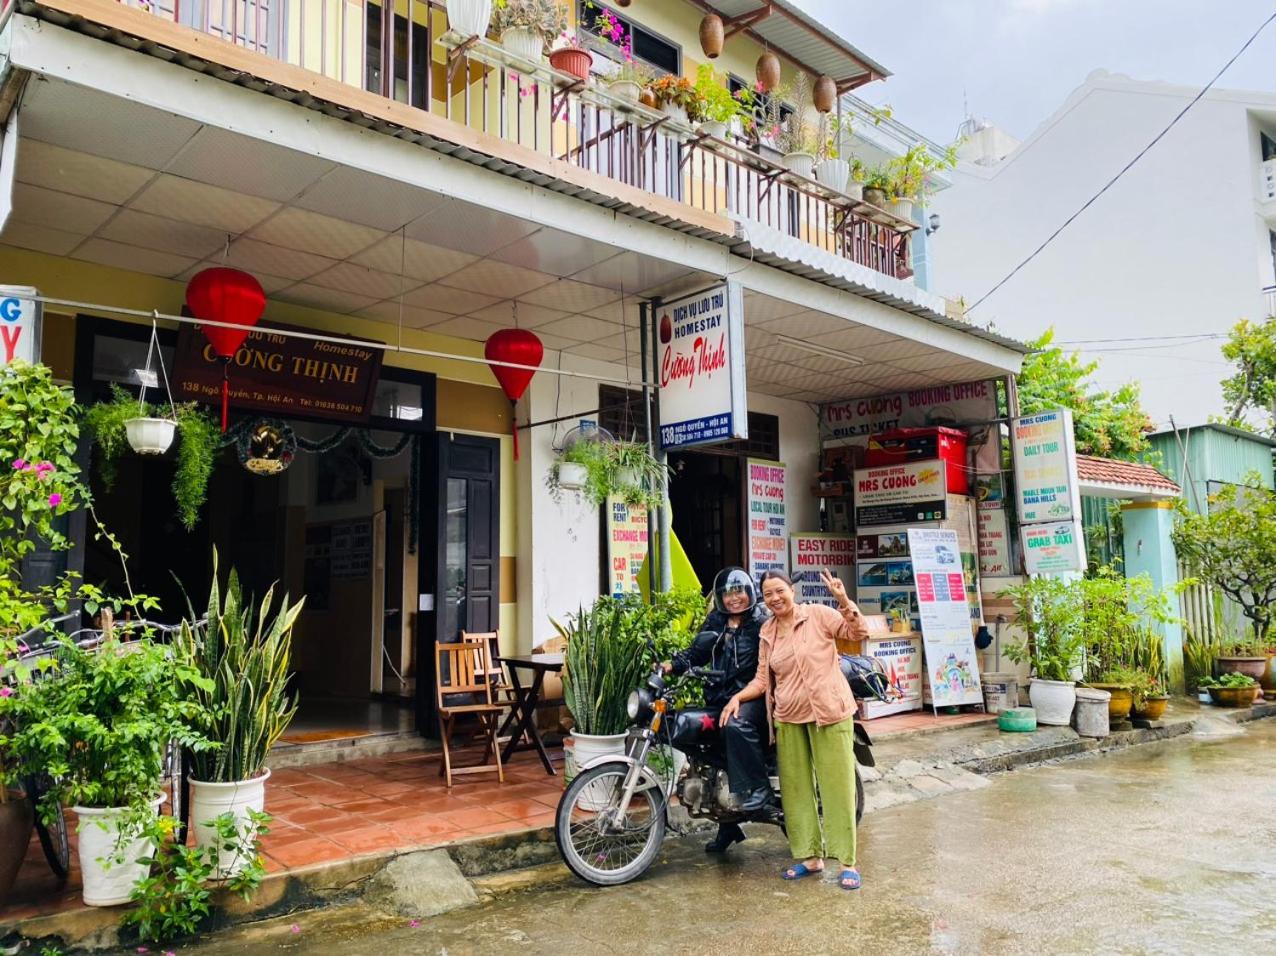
(626, 546)
(811, 553)
(857, 419)
(701, 341)
(20, 316)
(282, 374)
(1054, 548)
(945, 614)
(899, 494)
(768, 518)
(1046, 467)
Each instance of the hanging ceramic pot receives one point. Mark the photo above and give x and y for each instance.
(711, 35)
(825, 94)
(150, 436)
(768, 71)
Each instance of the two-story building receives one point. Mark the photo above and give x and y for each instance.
(406, 192)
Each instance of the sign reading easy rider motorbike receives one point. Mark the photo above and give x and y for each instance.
(701, 343)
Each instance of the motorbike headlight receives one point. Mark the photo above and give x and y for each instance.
(634, 703)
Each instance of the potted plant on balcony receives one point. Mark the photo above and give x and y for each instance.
(718, 106)
(629, 77)
(469, 18)
(910, 177)
(571, 56)
(878, 185)
(241, 703)
(677, 96)
(1049, 610)
(798, 137)
(526, 26)
(832, 170)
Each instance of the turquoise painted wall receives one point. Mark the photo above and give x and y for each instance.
(1206, 453)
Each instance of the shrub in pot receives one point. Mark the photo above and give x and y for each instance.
(798, 134)
(1243, 656)
(677, 96)
(599, 467)
(1050, 615)
(241, 654)
(718, 105)
(1232, 690)
(526, 26)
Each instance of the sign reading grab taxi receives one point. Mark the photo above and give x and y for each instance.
(700, 340)
(19, 324)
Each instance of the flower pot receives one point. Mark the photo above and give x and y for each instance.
(584, 748)
(712, 35)
(648, 98)
(875, 197)
(16, 821)
(1249, 666)
(109, 867)
(574, 62)
(1121, 702)
(1268, 680)
(713, 128)
(572, 476)
(1053, 701)
(676, 113)
(1153, 708)
(1092, 712)
(469, 18)
(833, 173)
(524, 43)
(902, 207)
(627, 90)
(1234, 696)
(211, 800)
(150, 436)
(801, 163)
(854, 191)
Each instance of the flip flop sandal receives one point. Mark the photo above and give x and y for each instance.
(799, 870)
(849, 879)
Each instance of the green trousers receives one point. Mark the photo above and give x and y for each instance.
(810, 757)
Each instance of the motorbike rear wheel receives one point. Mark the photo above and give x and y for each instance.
(595, 846)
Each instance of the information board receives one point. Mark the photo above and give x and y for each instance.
(1045, 461)
(901, 494)
(626, 546)
(768, 517)
(812, 552)
(943, 607)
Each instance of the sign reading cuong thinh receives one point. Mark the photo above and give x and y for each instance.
(282, 374)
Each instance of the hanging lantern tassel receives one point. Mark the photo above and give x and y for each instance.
(520, 347)
(225, 394)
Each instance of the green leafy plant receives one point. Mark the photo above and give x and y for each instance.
(1116, 613)
(1136, 681)
(546, 17)
(799, 131)
(175, 900)
(200, 441)
(1250, 391)
(1229, 680)
(1242, 647)
(717, 103)
(1051, 616)
(911, 175)
(625, 469)
(604, 663)
(673, 90)
(241, 701)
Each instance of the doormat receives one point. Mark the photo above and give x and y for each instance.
(316, 736)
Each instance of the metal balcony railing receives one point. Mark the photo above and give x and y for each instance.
(404, 52)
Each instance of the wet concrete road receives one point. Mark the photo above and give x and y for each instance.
(1169, 848)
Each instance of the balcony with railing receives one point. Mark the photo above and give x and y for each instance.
(405, 53)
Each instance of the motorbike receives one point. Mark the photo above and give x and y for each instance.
(613, 815)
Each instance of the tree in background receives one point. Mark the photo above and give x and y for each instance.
(1250, 392)
(1107, 424)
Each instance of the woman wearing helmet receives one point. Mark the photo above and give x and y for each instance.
(728, 642)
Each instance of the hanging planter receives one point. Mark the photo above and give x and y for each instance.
(597, 467)
(150, 436)
(712, 35)
(825, 94)
(768, 71)
(572, 475)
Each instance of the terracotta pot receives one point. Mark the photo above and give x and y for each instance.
(1250, 666)
(768, 71)
(1120, 704)
(575, 62)
(1234, 696)
(16, 821)
(1268, 680)
(825, 94)
(1153, 708)
(648, 98)
(711, 35)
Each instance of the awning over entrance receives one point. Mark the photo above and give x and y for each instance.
(1108, 478)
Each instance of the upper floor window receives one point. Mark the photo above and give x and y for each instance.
(1269, 146)
(647, 46)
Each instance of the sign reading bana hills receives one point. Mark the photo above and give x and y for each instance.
(281, 374)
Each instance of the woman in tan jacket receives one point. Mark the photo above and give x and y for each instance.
(813, 710)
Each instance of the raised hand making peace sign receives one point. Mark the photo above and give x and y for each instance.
(836, 587)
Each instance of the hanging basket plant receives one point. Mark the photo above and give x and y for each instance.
(112, 425)
(598, 468)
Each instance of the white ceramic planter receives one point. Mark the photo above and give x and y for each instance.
(626, 90)
(572, 475)
(714, 128)
(854, 191)
(469, 17)
(902, 208)
(106, 882)
(150, 436)
(211, 800)
(585, 748)
(833, 173)
(676, 113)
(527, 44)
(801, 163)
(1053, 701)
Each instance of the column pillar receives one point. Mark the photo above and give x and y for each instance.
(1148, 550)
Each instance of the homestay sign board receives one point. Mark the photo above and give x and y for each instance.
(955, 404)
(945, 614)
(812, 552)
(899, 494)
(701, 342)
(282, 374)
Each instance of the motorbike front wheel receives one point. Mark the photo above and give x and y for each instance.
(595, 844)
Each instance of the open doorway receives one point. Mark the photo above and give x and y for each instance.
(705, 497)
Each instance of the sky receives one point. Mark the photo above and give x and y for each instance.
(1014, 62)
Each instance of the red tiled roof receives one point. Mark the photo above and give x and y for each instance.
(1107, 471)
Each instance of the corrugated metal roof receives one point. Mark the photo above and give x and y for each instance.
(793, 32)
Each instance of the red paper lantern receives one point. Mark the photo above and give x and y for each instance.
(231, 296)
(520, 347)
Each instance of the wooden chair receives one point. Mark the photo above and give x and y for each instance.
(464, 691)
(502, 688)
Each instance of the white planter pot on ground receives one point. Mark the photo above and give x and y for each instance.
(528, 44)
(211, 800)
(585, 748)
(469, 17)
(833, 173)
(109, 871)
(150, 436)
(801, 163)
(572, 475)
(1053, 701)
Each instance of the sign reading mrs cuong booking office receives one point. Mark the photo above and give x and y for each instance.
(282, 374)
(700, 342)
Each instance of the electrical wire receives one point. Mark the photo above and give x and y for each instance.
(1127, 167)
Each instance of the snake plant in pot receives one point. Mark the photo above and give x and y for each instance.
(242, 653)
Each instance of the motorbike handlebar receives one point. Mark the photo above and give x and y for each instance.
(705, 673)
